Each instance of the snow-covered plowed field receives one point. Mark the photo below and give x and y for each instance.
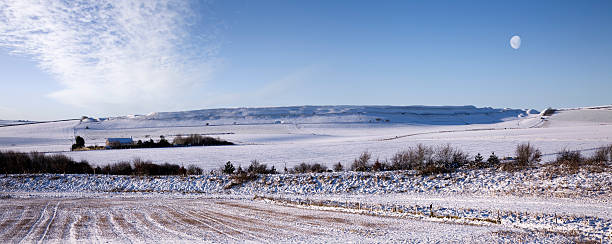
(575, 206)
(161, 218)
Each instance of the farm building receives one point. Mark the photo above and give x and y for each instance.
(118, 142)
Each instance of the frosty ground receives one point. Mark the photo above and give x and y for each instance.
(327, 135)
(466, 206)
(188, 219)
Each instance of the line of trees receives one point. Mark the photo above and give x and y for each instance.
(424, 159)
(151, 144)
(428, 160)
(190, 140)
(34, 162)
(12, 162)
(199, 140)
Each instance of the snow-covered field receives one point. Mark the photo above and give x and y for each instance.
(467, 206)
(326, 135)
(166, 219)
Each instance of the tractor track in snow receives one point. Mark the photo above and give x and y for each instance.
(50, 222)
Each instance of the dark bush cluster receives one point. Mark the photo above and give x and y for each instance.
(79, 143)
(228, 169)
(362, 163)
(142, 144)
(425, 159)
(259, 168)
(570, 162)
(429, 159)
(198, 140)
(191, 140)
(338, 167)
(140, 167)
(309, 168)
(254, 168)
(33, 163)
(29, 163)
(240, 176)
(149, 168)
(148, 144)
(526, 156)
(603, 154)
(480, 163)
(121, 168)
(569, 156)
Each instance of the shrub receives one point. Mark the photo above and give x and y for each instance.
(449, 157)
(570, 162)
(567, 162)
(429, 160)
(569, 156)
(527, 155)
(121, 168)
(301, 168)
(412, 158)
(308, 168)
(258, 168)
(149, 168)
(318, 168)
(79, 141)
(338, 167)
(478, 159)
(379, 166)
(163, 142)
(228, 168)
(362, 163)
(194, 170)
(493, 160)
(603, 154)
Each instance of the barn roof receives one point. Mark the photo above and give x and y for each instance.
(120, 140)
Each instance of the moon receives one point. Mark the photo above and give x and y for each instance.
(515, 42)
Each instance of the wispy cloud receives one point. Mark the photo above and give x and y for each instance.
(106, 52)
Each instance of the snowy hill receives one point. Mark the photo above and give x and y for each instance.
(321, 134)
(14, 122)
(426, 115)
(601, 115)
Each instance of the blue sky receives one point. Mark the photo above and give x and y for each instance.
(173, 55)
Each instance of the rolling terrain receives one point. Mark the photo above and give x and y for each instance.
(467, 206)
(286, 136)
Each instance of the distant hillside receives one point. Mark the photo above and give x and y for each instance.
(586, 115)
(425, 115)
